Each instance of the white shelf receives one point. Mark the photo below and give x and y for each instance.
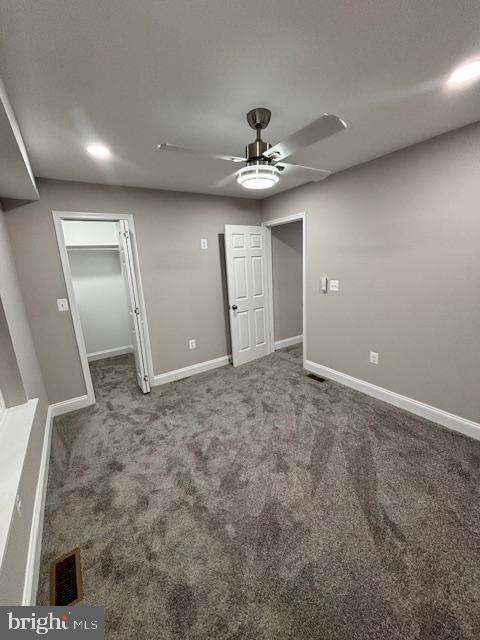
(92, 247)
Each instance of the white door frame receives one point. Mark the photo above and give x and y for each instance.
(58, 217)
(276, 222)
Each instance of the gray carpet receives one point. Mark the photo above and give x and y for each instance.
(258, 504)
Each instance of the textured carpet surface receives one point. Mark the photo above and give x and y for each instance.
(258, 504)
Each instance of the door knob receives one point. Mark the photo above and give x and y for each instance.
(234, 307)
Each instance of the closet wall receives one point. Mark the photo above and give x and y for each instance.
(287, 240)
(99, 287)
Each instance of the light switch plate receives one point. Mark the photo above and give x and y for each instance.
(373, 357)
(192, 343)
(334, 285)
(204, 243)
(62, 304)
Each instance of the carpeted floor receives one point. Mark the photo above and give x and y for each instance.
(258, 504)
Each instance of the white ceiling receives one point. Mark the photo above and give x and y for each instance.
(133, 74)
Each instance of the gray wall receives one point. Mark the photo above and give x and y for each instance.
(183, 284)
(402, 234)
(11, 383)
(14, 563)
(287, 280)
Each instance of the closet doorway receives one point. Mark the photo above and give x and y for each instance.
(100, 264)
(286, 259)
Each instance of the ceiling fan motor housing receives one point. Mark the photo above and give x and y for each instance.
(256, 149)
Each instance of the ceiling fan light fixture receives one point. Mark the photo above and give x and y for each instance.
(258, 176)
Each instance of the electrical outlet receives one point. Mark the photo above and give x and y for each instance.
(18, 504)
(204, 243)
(192, 344)
(373, 357)
(334, 285)
(62, 304)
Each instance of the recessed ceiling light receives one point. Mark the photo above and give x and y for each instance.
(99, 151)
(465, 74)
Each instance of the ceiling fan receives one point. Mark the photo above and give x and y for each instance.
(264, 163)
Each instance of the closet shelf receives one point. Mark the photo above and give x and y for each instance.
(92, 247)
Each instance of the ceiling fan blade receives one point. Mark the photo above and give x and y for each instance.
(317, 130)
(309, 174)
(226, 181)
(165, 146)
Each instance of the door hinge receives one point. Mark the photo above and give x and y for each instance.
(125, 234)
(137, 311)
(145, 378)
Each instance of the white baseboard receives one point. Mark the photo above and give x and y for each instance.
(35, 544)
(449, 420)
(109, 353)
(288, 342)
(73, 404)
(185, 372)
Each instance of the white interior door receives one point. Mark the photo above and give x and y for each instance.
(136, 320)
(246, 255)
